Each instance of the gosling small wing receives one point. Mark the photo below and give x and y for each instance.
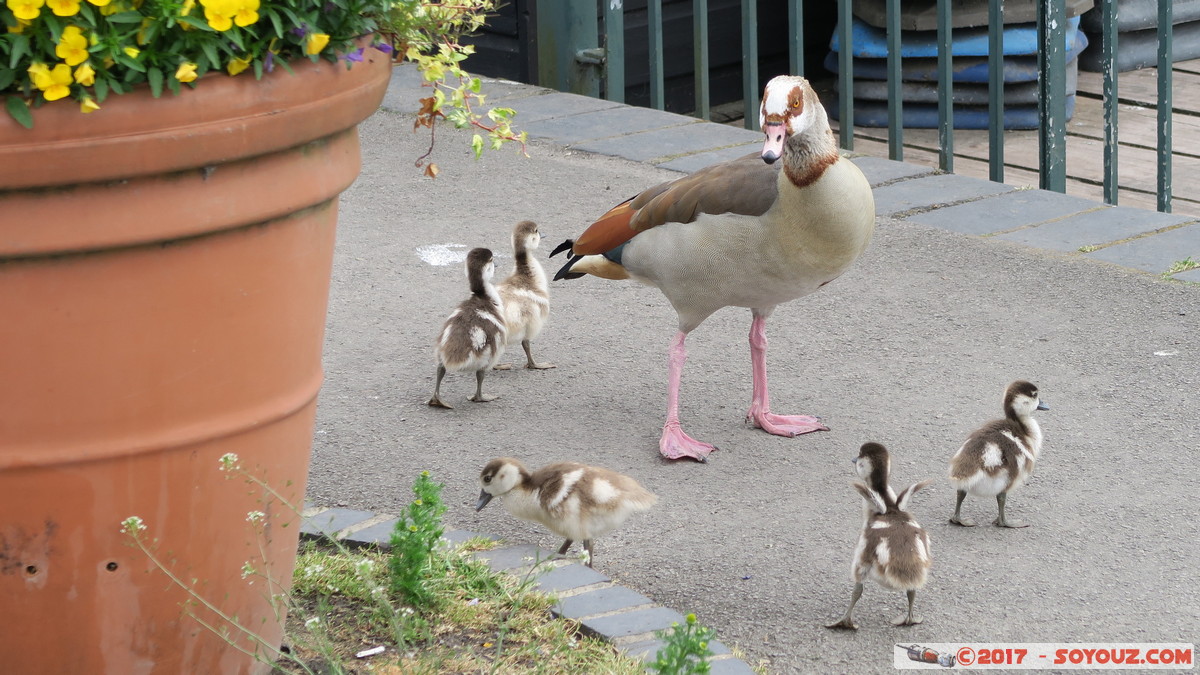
(746, 186)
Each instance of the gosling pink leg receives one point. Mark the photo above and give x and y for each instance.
(760, 414)
(675, 444)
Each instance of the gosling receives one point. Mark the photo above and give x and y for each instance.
(573, 500)
(999, 456)
(525, 295)
(892, 549)
(473, 336)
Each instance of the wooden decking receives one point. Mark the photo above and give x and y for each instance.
(1137, 136)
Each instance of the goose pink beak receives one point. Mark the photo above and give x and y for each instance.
(773, 147)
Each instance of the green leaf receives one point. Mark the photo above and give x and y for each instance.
(284, 64)
(173, 85)
(477, 145)
(210, 51)
(155, 77)
(19, 109)
(20, 47)
(277, 23)
(475, 85)
(126, 17)
(7, 77)
(101, 89)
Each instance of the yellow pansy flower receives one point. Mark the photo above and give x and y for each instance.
(39, 75)
(85, 75)
(88, 105)
(186, 72)
(187, 8)
(26, 10)
(63, 7)
(73, 46)
(237, 65)
(132, 52)
(99, 3)
(219, 22)
(141, 34)
(316, 42)
(21, 25)
(245, 12)
(59, 82)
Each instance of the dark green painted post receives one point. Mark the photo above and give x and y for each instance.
(996, 90)
(614, 51)
(945, 68)
(845, 76)
(1052, 104)
(657, 84)
(564, 29)
(895, 96)
(796, 37)
(700, 58)
(1108, 59)
(750, 92)
(1165, 103)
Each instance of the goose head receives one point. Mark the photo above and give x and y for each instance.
(789, 107)
(873, 464)
(498, 478)
(1021, 399)
(480, 264)
(526, 236)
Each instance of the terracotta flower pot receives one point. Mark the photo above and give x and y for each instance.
(164, 274)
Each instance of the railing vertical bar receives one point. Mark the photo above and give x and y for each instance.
(1052, 99)
(895, 94)
(796, 37)
(657, 83)
(700, 59)
(945, 40)
(750, 93)
(996, 90)
(1165, 64)
(614, 51)
(1108, 59)
(845, 76)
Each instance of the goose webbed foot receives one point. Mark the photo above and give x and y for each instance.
(908, 619)
(962, 520)
(843, 624)
(479, 396)
(783, 425)
(530, 363)
(1001, 521)
(675, 444)
(437, 402)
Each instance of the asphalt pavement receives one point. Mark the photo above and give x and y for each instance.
(966, 286)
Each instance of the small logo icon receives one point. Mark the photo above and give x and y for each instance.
(927, 655)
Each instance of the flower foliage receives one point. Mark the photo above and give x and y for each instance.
(87, 50)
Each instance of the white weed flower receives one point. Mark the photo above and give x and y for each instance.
(132, 525)
(312, 621)
(248, 569)
(228, 461)
(255, 516)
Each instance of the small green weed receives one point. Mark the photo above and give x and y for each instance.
(1182, 266)
(1088, 248)
(686, 650)
(413, 540)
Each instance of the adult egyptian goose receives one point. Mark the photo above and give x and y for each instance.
(473, 336)
(525, 294)
(998, 456)
(893, 549)
(741, 233)
(575, 501)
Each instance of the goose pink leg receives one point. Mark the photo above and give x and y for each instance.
(760, 414)
(675, 444)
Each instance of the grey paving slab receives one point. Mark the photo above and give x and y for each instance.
(932, 191)
(695, 162)
(1005, 211)
(329, 523)
(573, 129)
(555, 104)
(879, 170)
(379, 534)
(648, 650)
(661, 143)
(1094, 228)
(599, 601)
(513, 557)
(635, 622)
(1155, 253)
(405, 90)
(1190, 275)
(455, 537)
(568, 577)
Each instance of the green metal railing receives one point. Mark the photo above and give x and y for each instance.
(568, 35)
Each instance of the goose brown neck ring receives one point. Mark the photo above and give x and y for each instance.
(808, 154)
